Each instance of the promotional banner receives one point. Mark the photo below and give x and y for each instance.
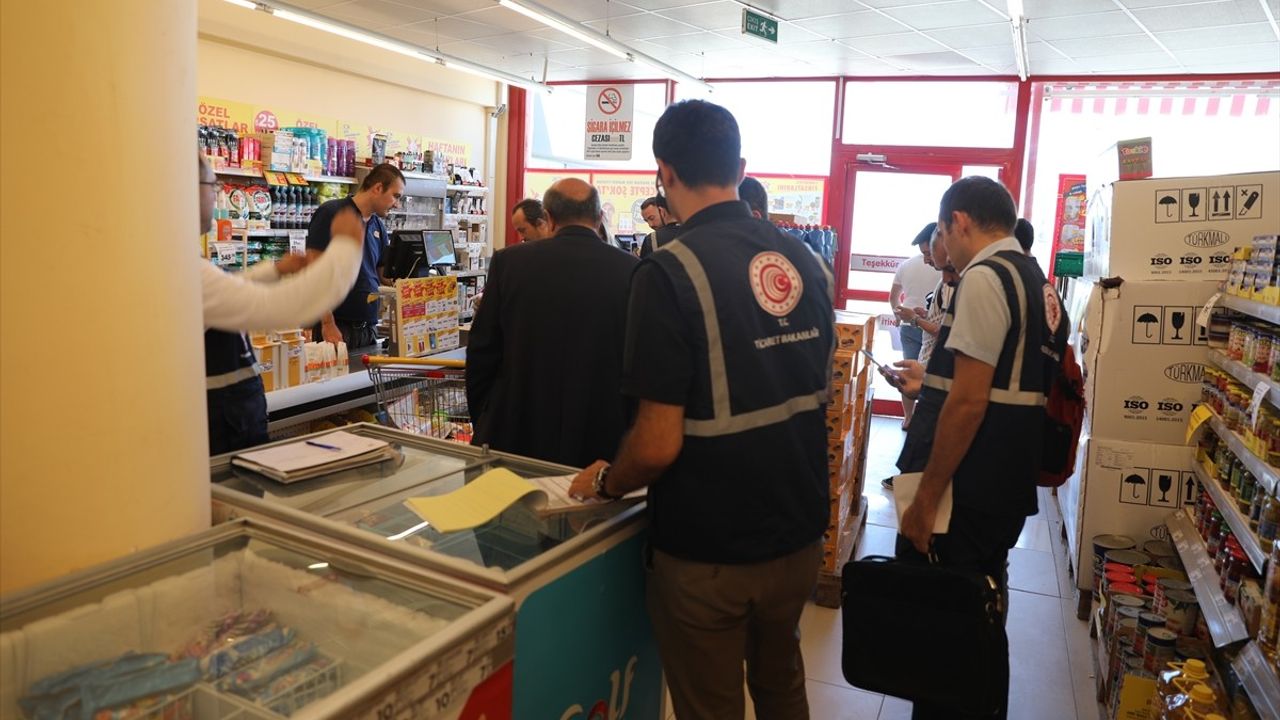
(621, 197)
(801, 197)
(1068, 227)
(536, 182)
(608, 133)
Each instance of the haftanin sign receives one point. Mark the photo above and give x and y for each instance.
(610, 109)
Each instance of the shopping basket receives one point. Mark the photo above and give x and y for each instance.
(421, 395)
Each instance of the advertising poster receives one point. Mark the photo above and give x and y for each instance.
(802, 197)
(620, 197)
(1068, 227)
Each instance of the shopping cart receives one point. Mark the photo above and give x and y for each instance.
(426, 396)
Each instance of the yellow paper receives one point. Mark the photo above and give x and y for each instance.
(1199, 416)
(474, 504)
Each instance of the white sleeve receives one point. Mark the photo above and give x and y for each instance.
(982, 317)
(262, 272)
(237, 304)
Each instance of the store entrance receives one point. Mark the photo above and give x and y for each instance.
(886, 204)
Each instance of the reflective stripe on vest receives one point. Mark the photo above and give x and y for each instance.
(996, 395)
(1019, 290)
(723, 421)
(217, 382)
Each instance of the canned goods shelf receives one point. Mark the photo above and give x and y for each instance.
(1259, 680)
(1262, 311)
(1223, 619)
(1234, 518)
(1266, 474)
(1246, 375)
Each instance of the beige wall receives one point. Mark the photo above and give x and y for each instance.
(103, 447)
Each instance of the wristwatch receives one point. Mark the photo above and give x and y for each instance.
(598, 486)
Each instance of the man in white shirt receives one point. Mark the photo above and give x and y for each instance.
(913, 281)
(262, 298)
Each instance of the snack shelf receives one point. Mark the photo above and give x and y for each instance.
(1262, 311)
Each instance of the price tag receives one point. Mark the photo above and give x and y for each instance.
(1199, 416)
(298, 241)
(226, 252)
(1206, 312)
(1255, 405)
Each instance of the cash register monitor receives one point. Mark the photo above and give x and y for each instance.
(406, 255)
(440, 247)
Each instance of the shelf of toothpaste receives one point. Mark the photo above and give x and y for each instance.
(248, 620)
(367, 505)
(285, 359)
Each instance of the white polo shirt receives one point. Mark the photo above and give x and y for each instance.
(982, 316)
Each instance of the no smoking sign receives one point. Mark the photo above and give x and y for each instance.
(608, 133)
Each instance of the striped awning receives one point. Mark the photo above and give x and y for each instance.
(1209, 99)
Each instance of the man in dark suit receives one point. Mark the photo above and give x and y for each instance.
(544, 360)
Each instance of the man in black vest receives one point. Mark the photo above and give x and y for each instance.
(729, 347)
(544, 358)
(979, 420)
(262, 298)
(660, 220)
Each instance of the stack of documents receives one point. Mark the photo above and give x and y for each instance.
(318, 456)
(487, 496)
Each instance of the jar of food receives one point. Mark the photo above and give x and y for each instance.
(1262, 352)
(1235, 341)
(1275, 360)
(1212, 539)
(1233, 481)
(1250, 343)
(1255, 507)
(1269, 627)
(1223, 553)
(1234, 575)
(1268, 520)
(1248, 486)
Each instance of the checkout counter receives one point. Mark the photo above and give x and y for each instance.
(583, 644)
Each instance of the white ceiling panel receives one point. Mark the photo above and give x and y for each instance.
(1082, 26)
(1195, 16)
(1036, 9)
(651, 4)
(701, 42)
(1135, 62)
(422, 34)
(1262, 57)
(526, 43)
(443, 7)
(855, 24)
(1095, 47)
(926, 62)
(463, 29)
(1174, 4)
(504, 20)
(929, 17)
(711, 16)
(375, 14)
(1214, 37)
(975, 36)
(802, 9)
(471, 51)
(900, 44)
(885, 4)
(584, 10)
(643, 25)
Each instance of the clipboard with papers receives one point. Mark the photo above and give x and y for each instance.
(315, 457)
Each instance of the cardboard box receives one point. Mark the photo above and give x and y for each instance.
(1143, 358)
(843, 368)
(853, 331)
(1177, 228)
(1122, 488)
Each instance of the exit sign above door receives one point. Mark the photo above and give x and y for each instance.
(760, 26)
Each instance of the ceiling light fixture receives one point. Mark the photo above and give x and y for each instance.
(1018, 25)
(341, 29)
(577, 30)
(559, 22)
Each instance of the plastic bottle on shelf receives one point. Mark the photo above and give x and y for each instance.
(1177, 679)
(1196, 704)
(1269, 627)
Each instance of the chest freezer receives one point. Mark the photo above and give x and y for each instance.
(254, 620)
(583, 639)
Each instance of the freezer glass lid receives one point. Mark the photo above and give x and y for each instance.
(244, 628)
(516, 535)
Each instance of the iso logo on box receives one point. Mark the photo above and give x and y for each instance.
(1161, 260)
(1170, 407)
(1136, 404)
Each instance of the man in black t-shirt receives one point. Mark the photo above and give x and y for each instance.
(728, 350)
(354, 320)
(661, 221)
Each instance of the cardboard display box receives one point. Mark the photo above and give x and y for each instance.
(1122, 488)
(1177, 228)
(1143, 357)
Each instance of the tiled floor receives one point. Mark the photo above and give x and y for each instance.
(1051, 672)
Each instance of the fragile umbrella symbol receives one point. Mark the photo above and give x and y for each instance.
(1147, 319)
(1134, 481)
(1168, 201)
